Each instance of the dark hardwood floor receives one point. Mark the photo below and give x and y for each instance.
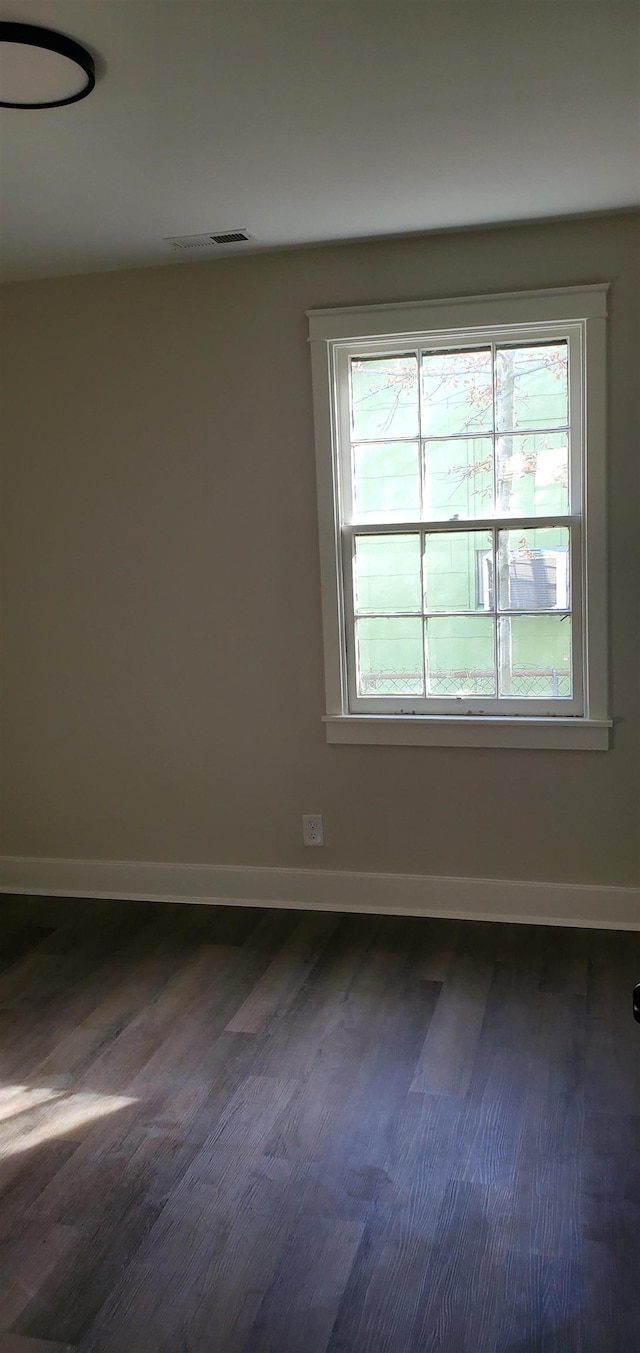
(225, 1130)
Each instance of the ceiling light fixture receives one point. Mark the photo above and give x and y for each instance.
(42, 69)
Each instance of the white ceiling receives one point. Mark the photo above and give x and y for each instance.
(313, 120)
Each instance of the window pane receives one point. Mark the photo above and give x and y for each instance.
(384, 396)
(533, 569)
(461, 655)
(387, 573)
(390, 657)
(455, 571)
(457, 394)
(535, 656)
(533, 475)
(531, 387)
(458, 478)
(386, 481)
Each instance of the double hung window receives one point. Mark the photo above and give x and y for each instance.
(461, 488)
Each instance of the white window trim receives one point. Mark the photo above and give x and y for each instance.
(586, 306)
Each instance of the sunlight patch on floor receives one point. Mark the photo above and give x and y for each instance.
(32, 1115)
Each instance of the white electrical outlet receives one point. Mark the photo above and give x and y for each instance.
(312, 829)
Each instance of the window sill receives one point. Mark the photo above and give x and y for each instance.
(558, 734)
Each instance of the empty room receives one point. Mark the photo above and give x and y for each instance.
(320, 676)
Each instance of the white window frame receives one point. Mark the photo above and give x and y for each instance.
(577, 313)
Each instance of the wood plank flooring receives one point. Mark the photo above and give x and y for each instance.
(226, 1130)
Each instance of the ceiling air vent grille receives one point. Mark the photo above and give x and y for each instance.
(231, 237)
(207, 241)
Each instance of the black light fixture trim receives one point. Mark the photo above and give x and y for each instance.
(34, 36)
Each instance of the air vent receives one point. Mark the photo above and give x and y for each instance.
(231, 237)
(207, 241)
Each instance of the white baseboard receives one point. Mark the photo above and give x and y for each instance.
(607, 908)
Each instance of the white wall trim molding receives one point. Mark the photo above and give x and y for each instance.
(607, 908)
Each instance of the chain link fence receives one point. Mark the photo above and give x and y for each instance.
(544, 683)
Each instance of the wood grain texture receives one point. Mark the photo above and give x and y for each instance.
(226, 1130)
(17, 1343)
(275, 990)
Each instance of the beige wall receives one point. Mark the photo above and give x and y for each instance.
(162, 644)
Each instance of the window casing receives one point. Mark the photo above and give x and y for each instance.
(460, 454)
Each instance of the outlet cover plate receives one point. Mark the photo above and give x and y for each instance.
(312, 833)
